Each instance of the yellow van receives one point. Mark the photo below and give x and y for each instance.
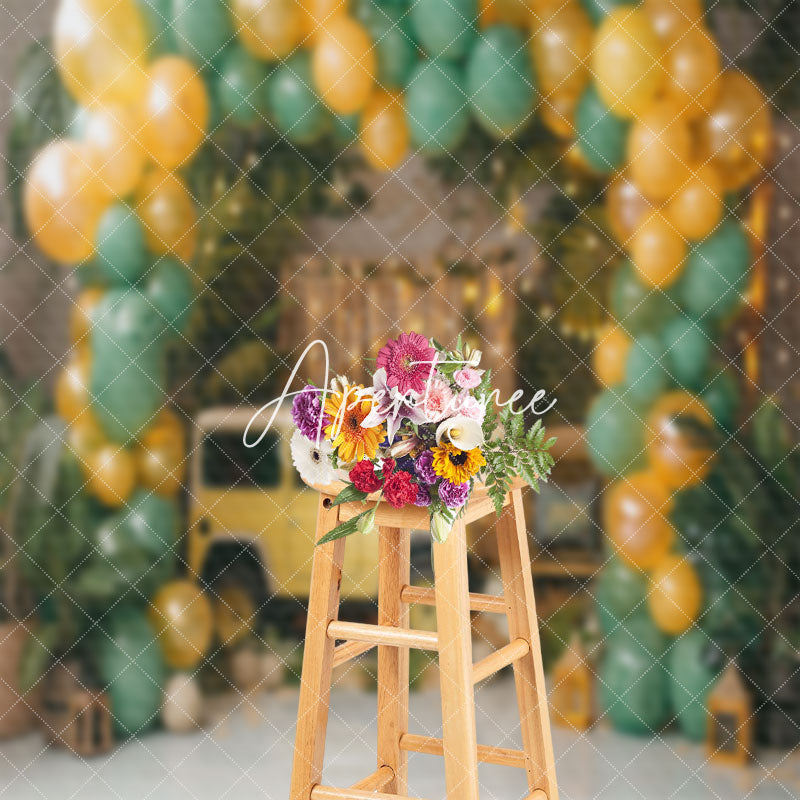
(252, 520)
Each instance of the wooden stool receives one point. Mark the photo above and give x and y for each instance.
(453, 641)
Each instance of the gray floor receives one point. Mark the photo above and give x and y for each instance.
(245, 752)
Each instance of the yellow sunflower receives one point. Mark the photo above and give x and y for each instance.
(345, 431)
(456, 466)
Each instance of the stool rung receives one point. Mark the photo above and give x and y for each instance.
(538, 794)
(414, 743)
(331, 793)
(377, 781)
(477, 602)
(349, 650)
(494, 662)
(383, 635)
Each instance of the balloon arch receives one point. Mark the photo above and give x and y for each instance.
(635, 92)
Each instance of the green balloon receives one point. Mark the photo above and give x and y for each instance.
(171, 291)
(637, 307)
(437, 109)
(344, 127)
(619, 593)
(601, 135)
(158, 20)
(152, 523)
(202, 28)
(646, 374)
(295, 108)
(127, 363)
(691, 678)
(715, 272)
(120, 245)
(499, 81)
(395, 48)
(132, 668)
(445, 28)
(125, 326)
(240, 80)
(721, 398)
(126, 398)
(688, 348)
(598, 9)
(614, 434)
(633, 686)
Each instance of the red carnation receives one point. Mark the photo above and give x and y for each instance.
(364, 478)
(399, 490)
(388, 467)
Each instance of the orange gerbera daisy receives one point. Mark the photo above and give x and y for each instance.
(347, 410)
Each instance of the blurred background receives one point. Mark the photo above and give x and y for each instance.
(600, 196)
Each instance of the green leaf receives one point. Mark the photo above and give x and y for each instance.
(348, 495)
(344, 528)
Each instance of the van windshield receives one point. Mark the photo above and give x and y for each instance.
(227, 462)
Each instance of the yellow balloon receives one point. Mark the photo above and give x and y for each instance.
(558, 115)
(610, 352)
(100, 48)
(168, 214)
(161, 458)
(343, 65)
(116, 153)
(182, 618)
(626, 61)
(675, 595)
(560, 46)
(112, 474)
(80, 318)
(659, 151)
(269, 29)
(85, 438)
(671, 18)
(63, 201)
(693, 66)
(384, 130)
(318, 13)
(657, 250)
(508, 12)
(737, 133)
(176, 111)
(635, 513)
(679, 454)
(697, 208)
(72, 397)
(626, 207)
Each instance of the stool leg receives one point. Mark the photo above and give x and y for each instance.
(394, 555)
(515, 567)
(315, 683)
(455, 665)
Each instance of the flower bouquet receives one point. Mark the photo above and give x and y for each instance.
(425, 431)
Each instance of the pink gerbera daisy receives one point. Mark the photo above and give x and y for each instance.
(408, 361)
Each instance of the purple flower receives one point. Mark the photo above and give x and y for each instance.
(423, 496)
(453, 495)
(423, 466)
(306, 412)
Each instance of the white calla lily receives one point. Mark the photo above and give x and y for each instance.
(463, 432)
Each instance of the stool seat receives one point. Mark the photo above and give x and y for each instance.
(478, 506)
(331, 642)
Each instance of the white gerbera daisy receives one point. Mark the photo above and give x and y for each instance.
(312, 462)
